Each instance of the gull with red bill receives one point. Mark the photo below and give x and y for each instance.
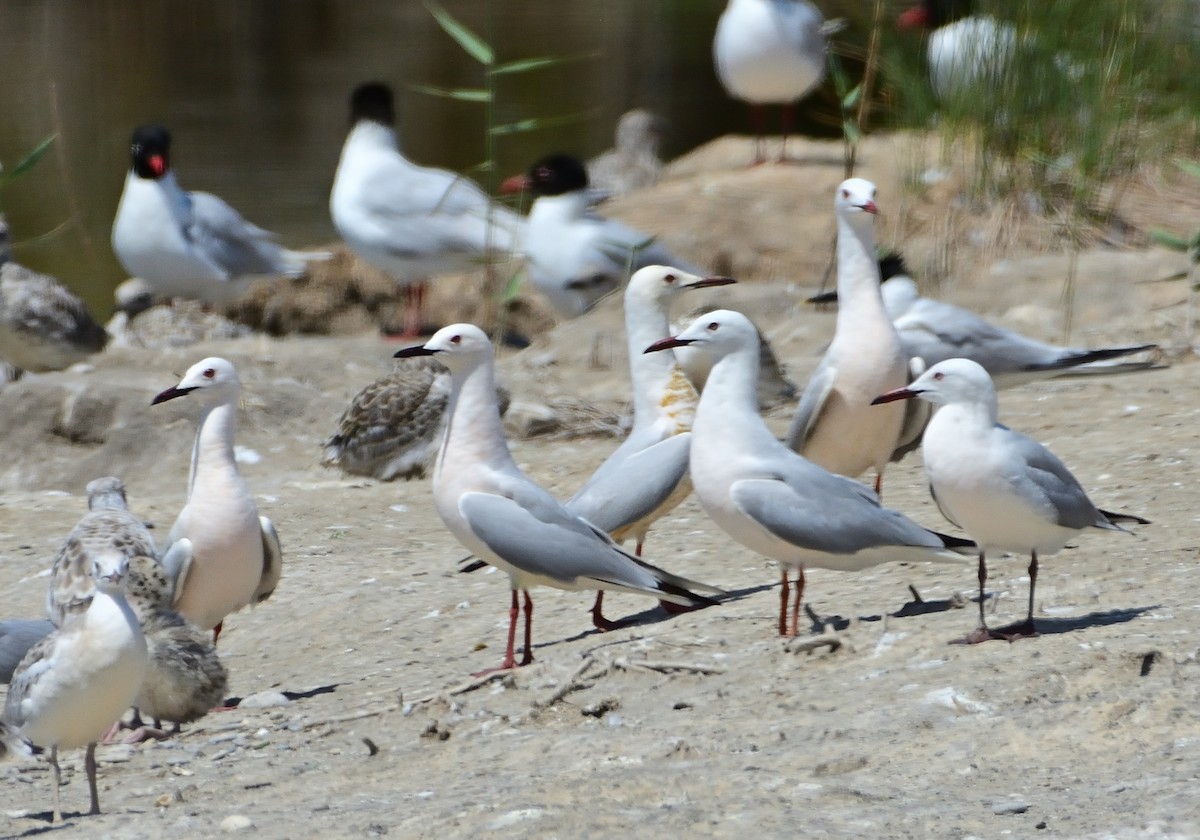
(503, 517)
(190, 244)
(1006, 490)
(772, 500)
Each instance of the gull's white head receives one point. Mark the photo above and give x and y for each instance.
(107, 492)
(855, 199)
(109, 570)
(960, 381)
(459, 347)
(718, 334)
(214, 379)
(658, 285)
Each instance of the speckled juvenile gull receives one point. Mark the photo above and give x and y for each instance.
(835, 426)
(503, 517)
(633, 162)
(411, 222)
(108, 526)
(392, 427)
(1006, 490)
(235, 559)
(75, 682)
(770, 52)
(43, 326)
(770, 499)
(190, 244)
(184, 678)
(573, 255)
(935, 331)
(646, 477)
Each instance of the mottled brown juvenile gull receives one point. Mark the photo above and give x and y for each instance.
(633, 162)
(503, 517)
(75, 682)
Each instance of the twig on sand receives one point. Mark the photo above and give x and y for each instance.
(665, 667)
(830, 639)
(575, 682)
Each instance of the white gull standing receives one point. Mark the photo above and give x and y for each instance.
(190, 244)
(574, 255)
(770, 499)
(235, 559)
(835, 426)
(75, 682)
(646, 477)
(503, 517)
(411, 222)
(770, 52)
(1006, 490)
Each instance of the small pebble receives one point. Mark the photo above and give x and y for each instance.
(236, 822)
(1010, 806)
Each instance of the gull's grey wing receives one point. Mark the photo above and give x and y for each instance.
(31, 667)
(17, 636)
(812, 402)
(937, 331)
(177, 561)
(272, 569)
(236, 246)
(835, 517)
(542, 539)
(1048, 485)
(630, 486)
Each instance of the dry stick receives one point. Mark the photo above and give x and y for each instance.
(864, 97)
(1068, 292)
(664, 667)
(573, 683)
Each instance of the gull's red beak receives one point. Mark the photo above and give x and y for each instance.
(892, 396)
(157, 165)
(514, 184)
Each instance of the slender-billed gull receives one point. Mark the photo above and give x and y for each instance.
(1006, 490)
(574, 255)
(633, 162)
(646, 477)
(411, 222)
(935, 331)
(503, 517)
(107, 526)
(235, 558)
(835, 426)
(770, 52)
(184, 678)
(43, 326)
(75, 682)
(772, 500)
(190, 244)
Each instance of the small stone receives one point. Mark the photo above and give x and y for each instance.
(1010, 806)
(236, 822)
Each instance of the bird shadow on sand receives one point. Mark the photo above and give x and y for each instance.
(46, 816)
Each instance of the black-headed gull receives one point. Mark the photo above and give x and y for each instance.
(633, 162)
(503, 517)
(646, 477)
(1006, 490)
(934, 331)
(575, 256)
(43, 326)
(772, 500)
(73, 684)
(964, 49)
(190, 244)
(233, 558)
(835, 426)
(770, 52)
(411, 222)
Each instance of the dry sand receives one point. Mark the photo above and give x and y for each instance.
(705, 723)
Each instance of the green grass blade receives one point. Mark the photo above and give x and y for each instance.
(512, 287)
(524, 65)
(463, 94)
(1190, 167)
(535, 123)
(30, 159)
(474, 46)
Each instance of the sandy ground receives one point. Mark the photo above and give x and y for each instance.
(705, 723)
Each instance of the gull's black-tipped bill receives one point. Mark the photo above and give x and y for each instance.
(898, 394)
(410, 352)
(708, 282)
(170, 394)
(667, 344)
(824, 297)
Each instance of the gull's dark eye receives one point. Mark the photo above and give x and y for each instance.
(670, 278)
(845, 193)
(457, 339)
(713, 326)
(939, 376)
(543, 173)
(209, 373)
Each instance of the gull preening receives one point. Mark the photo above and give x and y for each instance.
(835, 426)
(646, 477)
(190, 244)
(43, 326)
(411, 222)
(1006, 490)
(503, 517)
(574, 255)
(772, 500)
(73, 684)
(233, 558)
(770, 52)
